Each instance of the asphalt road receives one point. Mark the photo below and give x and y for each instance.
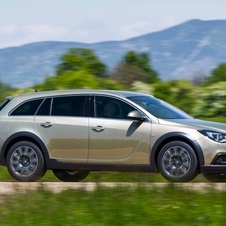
(11, 187)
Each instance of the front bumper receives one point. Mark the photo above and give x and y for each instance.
(218, 165)
(213, 169)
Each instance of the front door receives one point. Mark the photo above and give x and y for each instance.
(115, 139)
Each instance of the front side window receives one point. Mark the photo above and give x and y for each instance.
(27, 108)
(107, 107)
(69, 106)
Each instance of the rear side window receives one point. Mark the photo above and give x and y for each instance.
(27, 108)
(69, 106)
(4, 104)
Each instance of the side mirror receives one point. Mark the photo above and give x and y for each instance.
(136, 115)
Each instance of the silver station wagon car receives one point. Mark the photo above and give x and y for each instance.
(77, 131)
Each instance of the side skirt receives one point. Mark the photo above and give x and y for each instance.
(53, 164)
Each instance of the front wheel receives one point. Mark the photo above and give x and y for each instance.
(25, 162)
(177, 162)
(70, 175)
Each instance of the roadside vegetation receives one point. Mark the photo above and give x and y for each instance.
(139, 205)
(202, 96)
(104, 176)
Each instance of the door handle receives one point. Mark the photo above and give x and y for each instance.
(46, 124)
(98, 128)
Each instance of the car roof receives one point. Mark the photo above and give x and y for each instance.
(76, 91)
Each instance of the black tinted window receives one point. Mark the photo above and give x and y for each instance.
(27, 108)
(45, 107)
(107, 107)
(69, 106)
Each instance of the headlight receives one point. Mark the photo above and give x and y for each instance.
(213, 135)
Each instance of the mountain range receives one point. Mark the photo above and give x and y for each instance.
(193, 48)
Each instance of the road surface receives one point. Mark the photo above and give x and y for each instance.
(12, 187)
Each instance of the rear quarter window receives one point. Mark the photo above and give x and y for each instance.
(27, 108)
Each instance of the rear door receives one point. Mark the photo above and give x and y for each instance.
(64, 127)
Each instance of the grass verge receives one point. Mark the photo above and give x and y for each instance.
(165, 206)
(103, 176)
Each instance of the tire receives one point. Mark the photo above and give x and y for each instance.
(70, 175)
(25, 162)
(178, 162)
(215, 177)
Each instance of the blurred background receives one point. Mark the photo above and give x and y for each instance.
(174, 50)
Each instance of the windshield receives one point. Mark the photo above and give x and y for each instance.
(159, 108)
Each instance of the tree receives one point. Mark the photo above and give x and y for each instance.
(211, 101)
(81, 59)
(180, 93)
(5, 90)
(69, 80)
(127, 74)
(217, 75)
(76, 80)
(142, 60)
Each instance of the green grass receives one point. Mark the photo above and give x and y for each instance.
(103, 176)
(114, 206)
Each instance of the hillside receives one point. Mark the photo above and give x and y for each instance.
(188, 49)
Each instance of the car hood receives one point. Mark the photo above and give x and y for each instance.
(195, 124)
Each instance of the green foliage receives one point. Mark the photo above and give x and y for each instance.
(211, 101)
(135, 67)
(121, 205)
(81, 68)
(5, 90)
(218, 75)
(76, 80)
(69, 80)
(127, 74)
(180, 93)
(109, 84)
(77, 59)
(141, 87)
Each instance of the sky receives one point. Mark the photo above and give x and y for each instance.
(91, 21)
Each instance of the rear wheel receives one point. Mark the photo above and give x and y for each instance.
(70, 175)
(215, 177)
(25, 162)
(177, 162)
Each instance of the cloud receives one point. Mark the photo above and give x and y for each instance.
(13, 36)
(84, 31)
(16, 36)
(130, 30)
(146, 26)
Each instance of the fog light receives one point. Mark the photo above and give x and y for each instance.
(220, 160)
